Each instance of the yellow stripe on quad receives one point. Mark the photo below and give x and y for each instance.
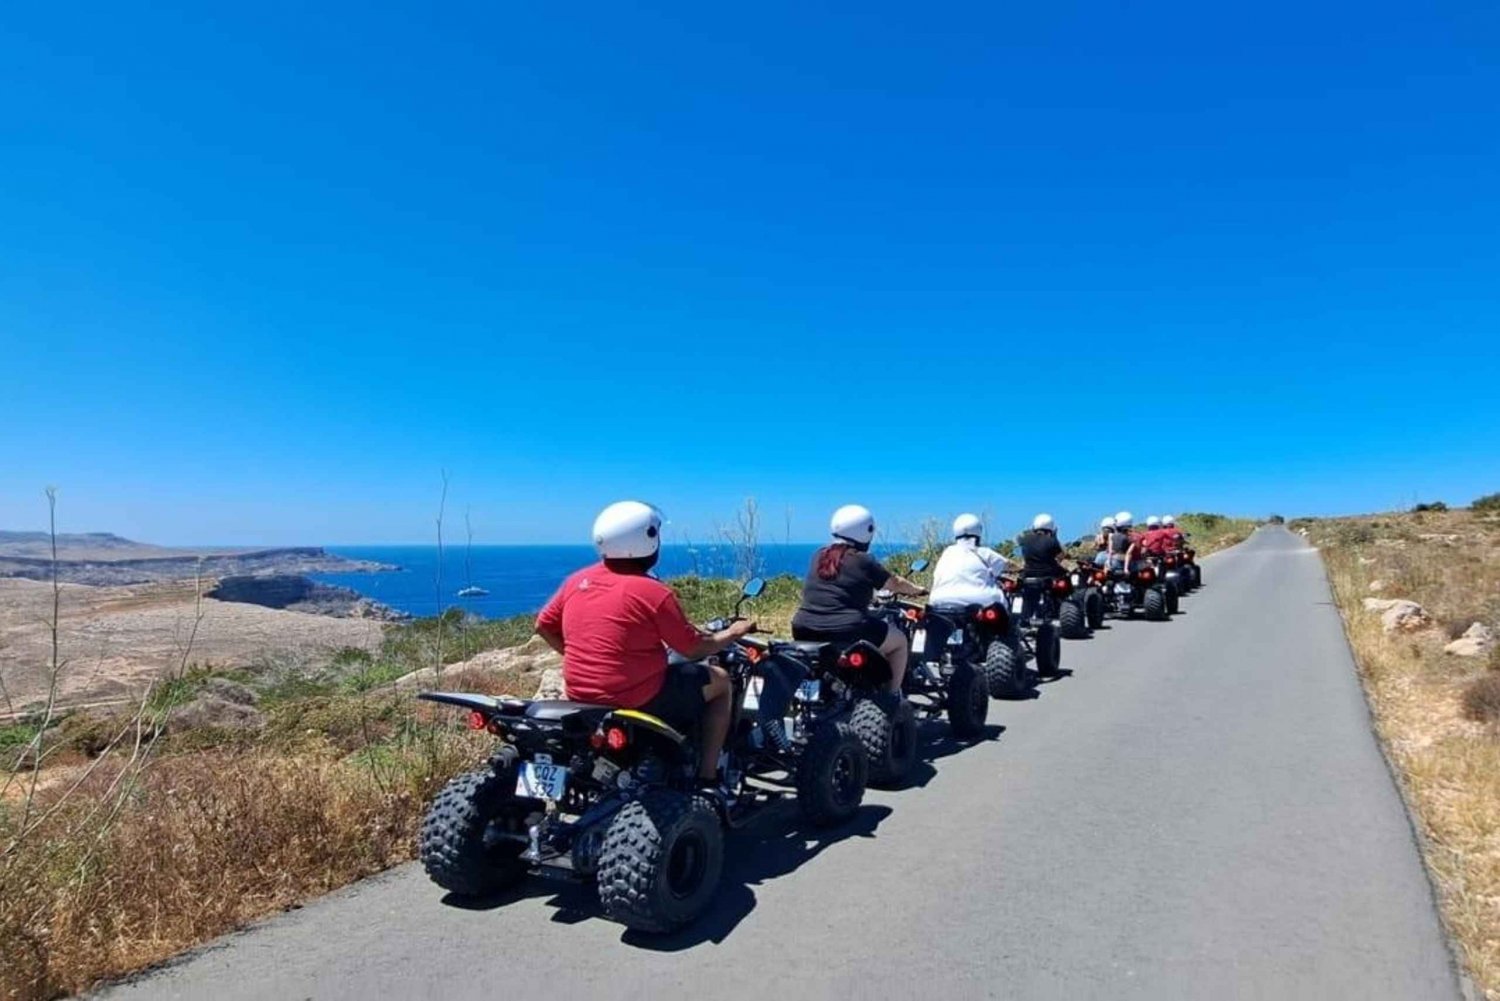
(650, 722)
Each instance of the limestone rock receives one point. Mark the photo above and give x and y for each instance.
(1477, 641)
(551, 685)
(1376, 586)
(211, 711)
(1403, 616)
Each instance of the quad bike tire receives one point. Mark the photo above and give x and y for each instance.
(661, 860)
(1174, 598)
(1005, 670)
(1197, 576)
(968, 702)
(889, 739)
(1093, 608)
(1048, 651)
(1155, 605)
(1074, 620)
(831, 775)
(452, 843)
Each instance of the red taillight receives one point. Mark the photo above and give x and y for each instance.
(476, 720)
(913, 614)
(616, 739)
(494, 727)
(1099, 577)
(596, 739)
(1060, 584)
(990, 614)
(856, 660)
(1171, 561)
(1148, 574)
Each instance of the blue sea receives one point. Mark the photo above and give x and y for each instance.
(521, 578)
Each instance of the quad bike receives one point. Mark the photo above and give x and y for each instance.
(940, 679)
(591, 793)
(1170, 571)
(1037, 604)
(1088, 594)
(1139, 588)
(1192, 570)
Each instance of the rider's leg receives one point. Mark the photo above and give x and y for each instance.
(715, 721)
(894, 650)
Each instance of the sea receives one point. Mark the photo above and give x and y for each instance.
(520, 579)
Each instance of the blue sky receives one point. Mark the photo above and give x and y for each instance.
(266, 270)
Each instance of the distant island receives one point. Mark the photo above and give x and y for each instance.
(100, 559)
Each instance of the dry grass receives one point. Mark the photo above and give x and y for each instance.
(1424, 700)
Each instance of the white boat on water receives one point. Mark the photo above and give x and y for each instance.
(473, 591)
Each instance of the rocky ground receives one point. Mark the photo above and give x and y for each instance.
(114, 639)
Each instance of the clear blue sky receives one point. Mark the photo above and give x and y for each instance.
(266, 269)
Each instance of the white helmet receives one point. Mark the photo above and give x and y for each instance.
(1043, 523)
(1152, 521)
(853, 523)
(1124, 519)
(627, 530)
(1106, 522)
(1169, 521)
(968, 524)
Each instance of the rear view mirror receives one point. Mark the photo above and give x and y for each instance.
(753, 587)
(918, 566)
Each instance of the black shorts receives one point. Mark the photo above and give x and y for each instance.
(680, 701)
(871, 630)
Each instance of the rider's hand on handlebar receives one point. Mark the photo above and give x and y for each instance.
(742, 627)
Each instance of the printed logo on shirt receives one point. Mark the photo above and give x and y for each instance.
(583, 585)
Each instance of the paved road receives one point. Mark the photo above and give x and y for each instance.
(1200, 811)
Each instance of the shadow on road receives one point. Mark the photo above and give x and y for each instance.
(772, 845)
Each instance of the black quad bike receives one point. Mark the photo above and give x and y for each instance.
(1088, 594)
(1037, 604)
(1174, 578)
(1192, 570)
(943, 675)
(590, 793)
(1141, 589)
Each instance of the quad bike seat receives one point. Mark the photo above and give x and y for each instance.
(806, 648)
(559, 709)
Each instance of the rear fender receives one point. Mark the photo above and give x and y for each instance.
(647, 730)
(487, 704)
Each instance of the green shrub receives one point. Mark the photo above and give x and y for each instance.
(1481, 699)
(1488, 504)
(1434, 506)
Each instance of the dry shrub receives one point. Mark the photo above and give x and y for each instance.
(1481, 699)
(201, 844)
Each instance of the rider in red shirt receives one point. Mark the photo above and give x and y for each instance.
(613, 623)
(1176, 541)
(1154, 542)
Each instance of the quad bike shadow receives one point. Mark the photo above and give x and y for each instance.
(765, 849)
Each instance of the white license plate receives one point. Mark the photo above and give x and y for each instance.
(539, 778)
(1122, 589)
(809, 691)
(1017, 603)
(918, 640)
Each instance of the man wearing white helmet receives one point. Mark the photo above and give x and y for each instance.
(1123, 544)
(1175, 539)
(613, 623)
(1041, 553)
(1154, 542)
(841, 581)
(968, 572)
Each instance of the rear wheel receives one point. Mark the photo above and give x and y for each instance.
(1156, 605)
(968, 702)
(457, 846)
(661, 861)
(1048, 651)
(831, 775)
(1197, 575)
(1004, 669)
(1093, 608)
(1074, 620)
(889, 739)
(1173, 598)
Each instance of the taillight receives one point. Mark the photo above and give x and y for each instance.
(913, 614)
(752, 654)
(1060, 584)
(615, 738)
(1171, 561)
(990, 614)
(854, 659)
(1099, 577)
(1147, 574)
(476, 720)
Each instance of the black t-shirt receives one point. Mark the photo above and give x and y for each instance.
(1040, 551)
(843, 602)
(1119, 543)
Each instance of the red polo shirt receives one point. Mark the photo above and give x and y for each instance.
(615, 629)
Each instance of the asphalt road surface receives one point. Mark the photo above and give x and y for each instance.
(1199, 811)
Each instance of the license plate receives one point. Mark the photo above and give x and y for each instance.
(918, 640)
(1122, 589)
(809, 691)
(539, 778)
(1017, 603)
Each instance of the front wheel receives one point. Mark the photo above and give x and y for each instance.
(1074, 620)
(1048, 651)
(831, 775)
(968, 702)
(889, 739)
(661, 860)
(1004, 670)
(456, 845)
(1093, 608)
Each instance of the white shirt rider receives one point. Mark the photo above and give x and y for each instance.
(967, 574)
